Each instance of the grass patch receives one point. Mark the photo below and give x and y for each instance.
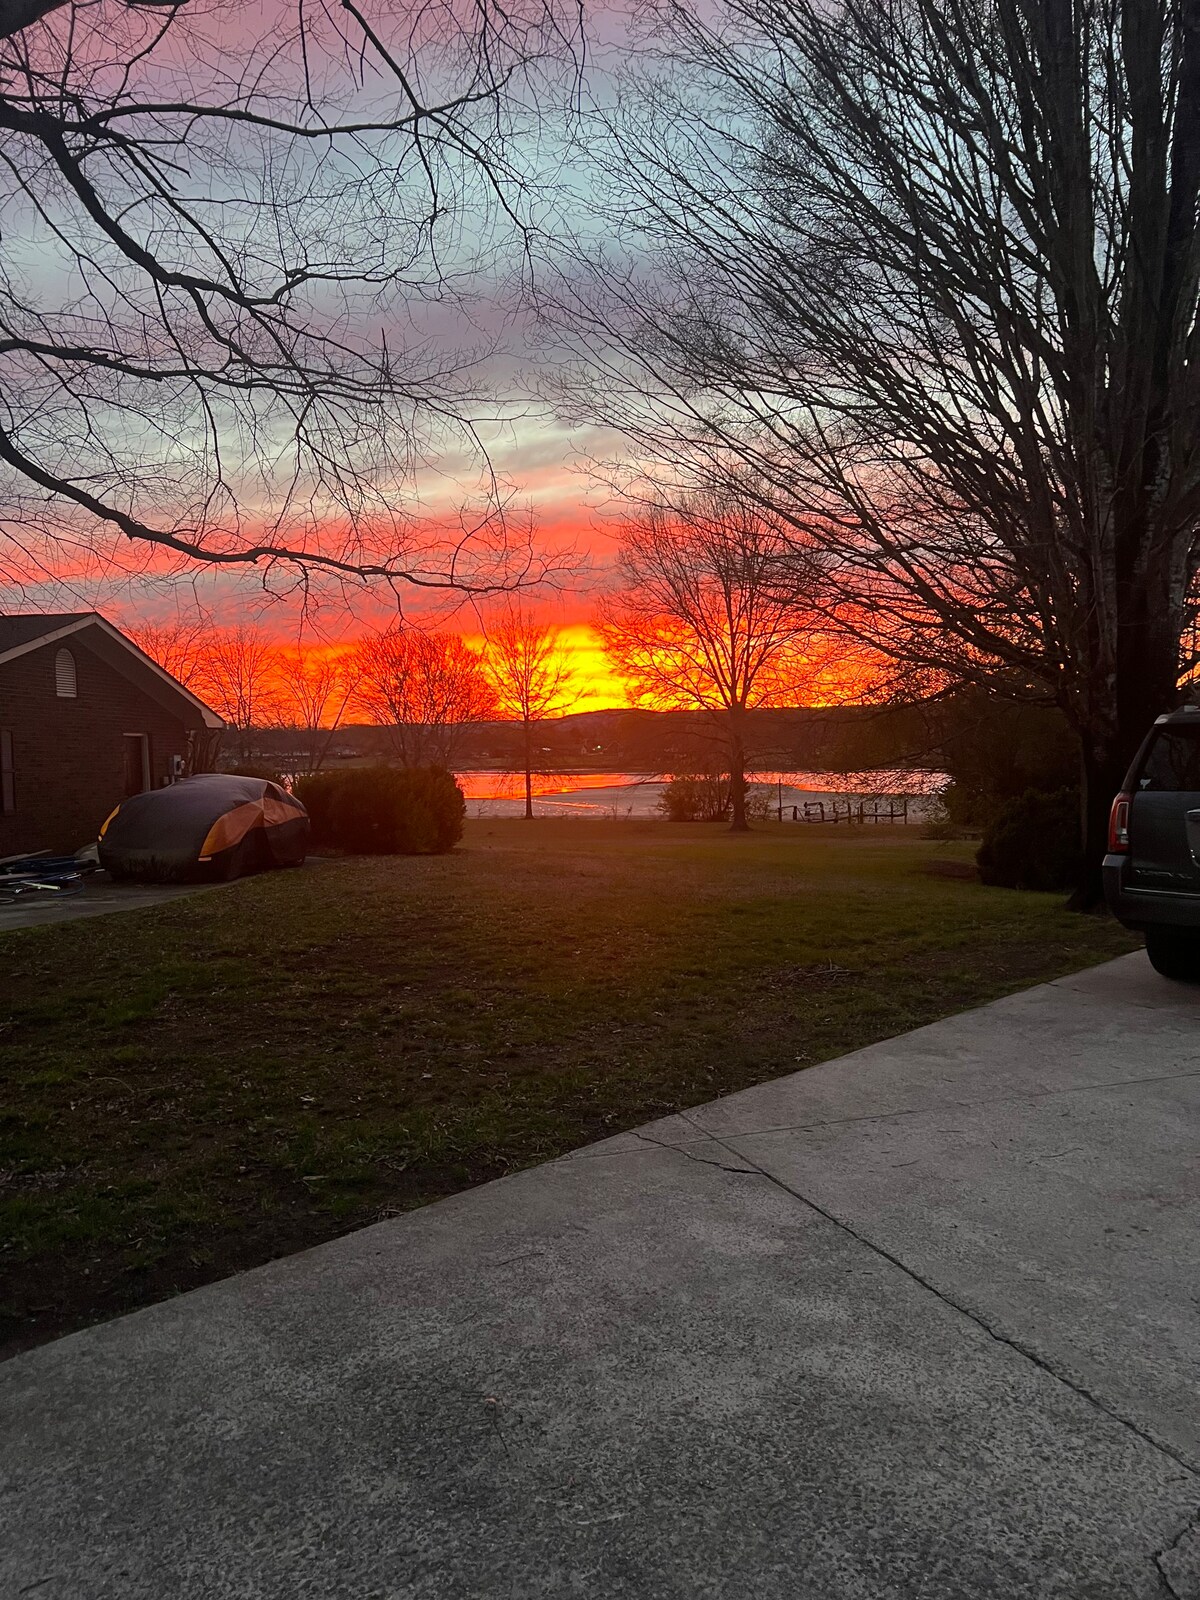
(195, 1089)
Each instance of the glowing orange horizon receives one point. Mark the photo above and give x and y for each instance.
(595, 684)
(601, 688)
(598, 687)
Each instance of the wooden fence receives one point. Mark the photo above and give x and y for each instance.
(892, 809)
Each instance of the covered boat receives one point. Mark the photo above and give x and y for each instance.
(213, 826)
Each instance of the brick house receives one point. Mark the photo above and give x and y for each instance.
(86, 718)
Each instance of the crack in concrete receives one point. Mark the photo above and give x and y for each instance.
(976, 1317)
(1164, 1555)
(1161, 1558)
(586, 1151)
(747, 1170)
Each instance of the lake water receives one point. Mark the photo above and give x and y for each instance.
(634, 794)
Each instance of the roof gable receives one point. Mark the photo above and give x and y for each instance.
(19, 634)
(28, 627)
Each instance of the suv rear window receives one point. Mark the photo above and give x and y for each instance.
(1173, 760)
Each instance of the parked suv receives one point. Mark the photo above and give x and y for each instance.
(1152, 869)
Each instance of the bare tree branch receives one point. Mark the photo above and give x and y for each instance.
(423, 689)
(234, 245)
(713, 613)
(927, 273)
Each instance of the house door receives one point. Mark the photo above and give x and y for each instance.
(137, 762)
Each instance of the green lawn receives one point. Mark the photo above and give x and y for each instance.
(192, 1090)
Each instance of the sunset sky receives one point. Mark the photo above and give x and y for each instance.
(463, 309)
(544, 467)
(540, 460)
(467, 308)
(599, 688)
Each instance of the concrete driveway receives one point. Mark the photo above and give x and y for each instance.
(98, 896)
(918, 1322)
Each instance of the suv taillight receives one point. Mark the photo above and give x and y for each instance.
(1118, 826)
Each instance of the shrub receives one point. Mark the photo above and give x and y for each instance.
(708, 797)
(995, 750)
(436, 808)
(315, 791)
(1033, 842)
(363, 812)
(760, 802)
(687, 797)
(384, 811)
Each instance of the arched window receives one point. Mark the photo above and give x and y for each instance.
(64, 676)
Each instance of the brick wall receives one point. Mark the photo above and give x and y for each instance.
(69, 755)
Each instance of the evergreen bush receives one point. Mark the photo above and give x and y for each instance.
(1033, 842)
(430, 811)
(315, 793)
(384, 810)
(689, 797)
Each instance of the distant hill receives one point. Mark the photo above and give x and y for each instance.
(842, 738)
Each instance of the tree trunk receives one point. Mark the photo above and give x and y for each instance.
(528, 773)
(1102, 771)
(737, 773)
(1146, 686)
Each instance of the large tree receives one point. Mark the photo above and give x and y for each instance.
(235, 243)
(708, 614)
(927, 272)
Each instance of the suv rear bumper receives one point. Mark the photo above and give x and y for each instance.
(1147, 908)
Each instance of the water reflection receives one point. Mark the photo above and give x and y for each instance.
(633, 794)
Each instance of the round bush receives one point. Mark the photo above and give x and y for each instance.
(430, 808)
(385, 811)
(362, 812)
(690, 798)
(1033, 842)
(709, 798)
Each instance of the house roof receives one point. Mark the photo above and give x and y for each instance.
(29, 626)
(22, 632)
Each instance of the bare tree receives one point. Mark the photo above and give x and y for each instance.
(529, 670)
(709, 615)
(238, 676)
(231, 238)
(316, 687)
(928, 271)
(423, 689)
(178, 647)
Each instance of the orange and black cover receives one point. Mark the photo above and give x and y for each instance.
(215, 825)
